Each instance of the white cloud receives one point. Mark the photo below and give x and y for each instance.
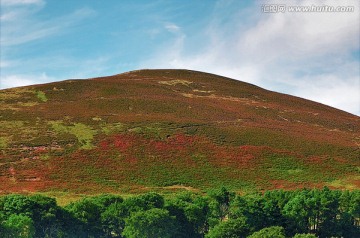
(331, 90)
(306, 54)
(5, 63)
(10, 81)
(171, 27)
(89, 68)
(20, 25)
(21, 2)
(300, 35)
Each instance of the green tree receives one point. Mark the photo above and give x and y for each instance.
(43, 212)
(272, 206)
(144, 202)
(315, 211)
(252, 208)
(305, 236)
(300, 212)
(233, 228)
(269, 232)
(112, 214)
(113, 219)
(349, 222)
(326, 223)
(46, 216)
(150, 223)
(19, 226)
(2, 222)
(191, 213)
(103, 201)
(219, 205)
(87, 217)
(17, 204)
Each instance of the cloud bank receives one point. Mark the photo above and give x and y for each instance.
(311, 55)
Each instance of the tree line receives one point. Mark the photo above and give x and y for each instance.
(218, 214)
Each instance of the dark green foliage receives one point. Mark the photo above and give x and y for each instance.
(150, 223)
(349, 221)
(144, 202)
(253, 208)
(87, 215)
(269, 232)
(41, 215)
(112, 215)
(233, 228)
(191, 212)
(113, 219)
(301, 213)
(305, 236)
(324, 212)
(106, 200)
(46, 215)
(19, 226)
(95, 215)
(219, 204)
(314, 211)
(17, 204)
(273, 203)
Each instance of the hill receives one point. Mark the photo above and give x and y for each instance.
(168, 130)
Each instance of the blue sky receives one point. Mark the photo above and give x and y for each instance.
(311, 55)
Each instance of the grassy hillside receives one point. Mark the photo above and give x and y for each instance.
(168, 130)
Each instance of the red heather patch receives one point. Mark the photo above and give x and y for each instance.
(356, 183)
(40, 149)
(247, 158)
(228, 156)
(287, 185)
(104, 145)
(341, 160)
(181, 140)
(176, 146)
(123, 142)
(23, 187)
(316, 159)
(241, 156)
(253, 149)
(132, 160)
(160, 146)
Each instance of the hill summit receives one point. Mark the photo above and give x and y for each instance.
(171, 129)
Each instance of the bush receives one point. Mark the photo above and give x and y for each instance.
(149, 224)
(269, 232)
(305, 236)
(230, 229)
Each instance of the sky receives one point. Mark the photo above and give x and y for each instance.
(313, 55)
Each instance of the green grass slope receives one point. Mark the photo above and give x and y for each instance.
(167, 130)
